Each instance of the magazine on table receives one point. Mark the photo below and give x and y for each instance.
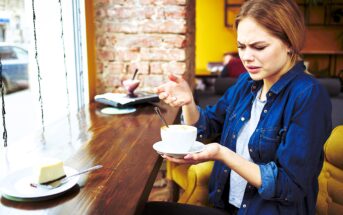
(123, 100)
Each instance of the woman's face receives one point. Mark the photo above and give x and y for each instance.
(264, 56)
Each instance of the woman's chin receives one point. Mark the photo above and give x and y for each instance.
(255, 76)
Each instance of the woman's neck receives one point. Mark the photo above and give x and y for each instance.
(271, 80)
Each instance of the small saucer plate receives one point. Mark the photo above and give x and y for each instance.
(16, 186)
(160, 147)
(115, 111)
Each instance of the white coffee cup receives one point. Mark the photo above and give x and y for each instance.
(178, 138)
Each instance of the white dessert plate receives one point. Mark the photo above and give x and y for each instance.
(161, 148)
(16, 186)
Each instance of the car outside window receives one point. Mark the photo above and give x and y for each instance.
(20, 53)
(7, 53)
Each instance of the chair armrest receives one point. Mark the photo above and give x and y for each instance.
(201, 173)
(198, 176)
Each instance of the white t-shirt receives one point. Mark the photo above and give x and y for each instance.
(237, 183)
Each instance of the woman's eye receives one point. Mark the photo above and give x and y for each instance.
(240, 47)
(260, 48)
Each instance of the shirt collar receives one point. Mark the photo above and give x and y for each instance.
(298, 68)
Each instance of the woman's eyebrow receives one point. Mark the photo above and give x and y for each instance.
(254, 43)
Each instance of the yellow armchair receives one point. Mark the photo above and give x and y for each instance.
(330, 196)
(193, 179)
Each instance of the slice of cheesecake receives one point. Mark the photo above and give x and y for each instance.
(50, 171)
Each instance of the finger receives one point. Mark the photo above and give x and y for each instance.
(179, 160)
(177, 103)
(188, 157)
(193, 157)
(162, 88)
(173, 159)
(163, 95)
(170, 99)
(175, 78)
(159, 89)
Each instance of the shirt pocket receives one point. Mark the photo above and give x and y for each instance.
(268, 143)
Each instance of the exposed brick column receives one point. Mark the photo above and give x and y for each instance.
(155, 36)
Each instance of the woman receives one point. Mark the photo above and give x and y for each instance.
(273, 121)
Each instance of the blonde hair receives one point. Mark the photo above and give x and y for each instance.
(281, 18)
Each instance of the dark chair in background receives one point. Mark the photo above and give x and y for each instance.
(221, 84)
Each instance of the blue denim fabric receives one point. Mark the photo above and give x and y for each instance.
(287, 143)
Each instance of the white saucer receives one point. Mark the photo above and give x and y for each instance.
(16, 186)
(115, 111)
(161, 148)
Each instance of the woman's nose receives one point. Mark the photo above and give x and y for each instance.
(247, 55)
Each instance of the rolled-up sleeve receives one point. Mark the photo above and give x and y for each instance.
(268, 174)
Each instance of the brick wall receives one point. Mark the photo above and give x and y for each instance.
(155, 36)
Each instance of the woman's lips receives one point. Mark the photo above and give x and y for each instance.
(253, 69)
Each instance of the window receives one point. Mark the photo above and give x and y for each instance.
(56, 86)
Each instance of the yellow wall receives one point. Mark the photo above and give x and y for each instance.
(213, 39)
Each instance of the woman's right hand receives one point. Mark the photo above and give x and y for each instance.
(176, 92)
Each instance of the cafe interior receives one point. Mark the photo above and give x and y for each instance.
(130, 48)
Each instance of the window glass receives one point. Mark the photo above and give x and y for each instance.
(39, 90)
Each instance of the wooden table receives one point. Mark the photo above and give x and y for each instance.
(121, 143)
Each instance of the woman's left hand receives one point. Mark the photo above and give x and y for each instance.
(211, 152)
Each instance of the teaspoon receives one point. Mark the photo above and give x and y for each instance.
(157, 109)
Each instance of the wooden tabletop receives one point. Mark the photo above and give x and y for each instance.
(121, 143)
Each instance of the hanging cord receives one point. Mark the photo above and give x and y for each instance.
(64, 55)
(4, 135)
(66, 70)
(38, 69)
(78, 54)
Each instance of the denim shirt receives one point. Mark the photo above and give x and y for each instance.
(287, 143)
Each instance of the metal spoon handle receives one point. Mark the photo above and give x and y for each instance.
(157, 109)
(83, 171)
(134, 74)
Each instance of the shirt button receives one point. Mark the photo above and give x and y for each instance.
(200, 135)
(270, 94)
(219, 190)
(250, 150)
(225, 170)
(244, 205)
(242, 119)
(265, 111)
(233, 136)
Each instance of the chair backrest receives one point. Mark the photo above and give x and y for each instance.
(234, 68)
(330, 197)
